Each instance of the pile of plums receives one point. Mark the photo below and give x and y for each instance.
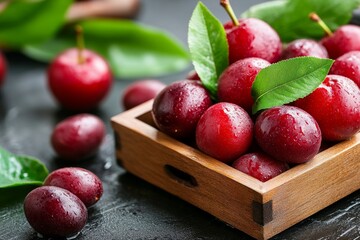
(59, 207)
(270, 142)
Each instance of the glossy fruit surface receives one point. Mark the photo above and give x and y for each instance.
(253, 38)
(3, 68)
(81, 182)
(304, 47)
(78, 136)
(224, 131)
(236, 81)
(335, 105)
(79, 86)
(348, 65)
(178, 107)
(260, 166)
(140, 92)
(344, 39)
(55, 212)
(288, 134)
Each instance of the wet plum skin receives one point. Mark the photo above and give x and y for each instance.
(178, 107)
(260, 166)
(288, 134)
(68, 80)
(252, 38)
(55, 212)
(348, 65)
(81, 182)
(335, 105)
(304, 47)
(236, 81)
(343, 40)
(140, 92)
(224, 131)
(78, 137)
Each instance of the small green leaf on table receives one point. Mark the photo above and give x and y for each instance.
(132, 50)
(290, 17)
(288, 80)
(27, 21)
(208, 47)
(20, 170)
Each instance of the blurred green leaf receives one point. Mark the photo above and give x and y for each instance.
(290, 18)
(29, 21)
(132, 50)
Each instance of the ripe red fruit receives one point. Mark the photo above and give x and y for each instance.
(192, 75)
(236, 81)
(288, 134)
(81, 182)
(78, 136)
(140, 92)
(343, 40)
(3, 68)
(178, 107)
(79, 86)
(55, 212)
(224, 131)
(260, 166)
(335, 105)
(304, 47)
(253, 38)
(348, 65)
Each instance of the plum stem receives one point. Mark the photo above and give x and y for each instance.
(227, 6)
(314, 17)
(80, 43)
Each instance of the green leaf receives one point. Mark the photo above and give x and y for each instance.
(288, 80)
(28, 21)
(290, 18)
(132, 50)
(208, 47)
(20, 170)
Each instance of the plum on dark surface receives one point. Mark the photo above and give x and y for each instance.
(260, 166)
(140, 92)
(78, 137)
(224, 131)
(81, 182)
(304, 47)
(55, 212)
(178, 107)
(288, 134)
(236, 81)
(348, 65)
(79, 86)
(335, 105)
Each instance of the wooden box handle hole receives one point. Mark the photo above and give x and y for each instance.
(180, 176)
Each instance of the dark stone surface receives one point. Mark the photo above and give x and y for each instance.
(130, 208)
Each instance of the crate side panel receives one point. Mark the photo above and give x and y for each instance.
(215, 193)
(316, 188)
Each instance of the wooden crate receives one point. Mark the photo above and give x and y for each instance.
(259, 209)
